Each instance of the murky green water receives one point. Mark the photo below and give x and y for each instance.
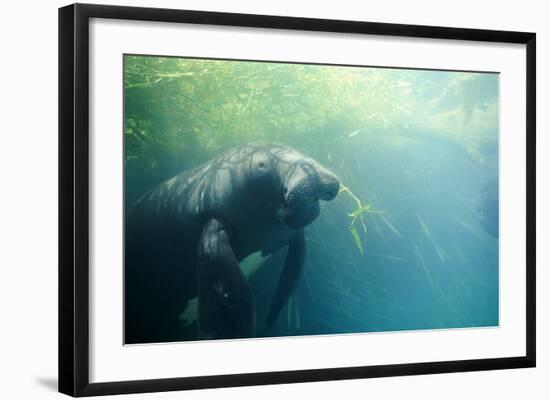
(417, 148)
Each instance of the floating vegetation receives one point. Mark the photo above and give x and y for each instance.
(357, 215)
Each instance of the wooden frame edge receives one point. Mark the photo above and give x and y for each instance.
(73, 193)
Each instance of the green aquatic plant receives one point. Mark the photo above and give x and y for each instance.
(356, 238)
(443, 256)
(358, 216)
(181, 111)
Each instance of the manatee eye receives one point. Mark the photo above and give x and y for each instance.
(260, 163)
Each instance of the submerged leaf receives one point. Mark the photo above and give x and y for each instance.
(356, 238)
(360, 211)
(364, 226)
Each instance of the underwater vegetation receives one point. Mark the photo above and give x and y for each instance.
(411, 241)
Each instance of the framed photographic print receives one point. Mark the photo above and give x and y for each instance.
(249, 199)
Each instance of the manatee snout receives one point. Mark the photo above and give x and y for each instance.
(329, 185)
(306, 183)
(308, 179)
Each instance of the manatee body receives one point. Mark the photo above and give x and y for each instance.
(186, 237)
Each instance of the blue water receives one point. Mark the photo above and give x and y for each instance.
(437, 268)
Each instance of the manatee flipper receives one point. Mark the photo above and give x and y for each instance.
(249, 266)
(226, 307)
(289, 276)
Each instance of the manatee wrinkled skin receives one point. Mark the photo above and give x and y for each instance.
(186, 237)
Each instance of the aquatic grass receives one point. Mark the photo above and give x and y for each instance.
(443, 256)
(356, 238)
(357, 215)
(426, 270)
(308, 285)
(389, 224)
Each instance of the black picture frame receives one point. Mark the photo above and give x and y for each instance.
(74, 198)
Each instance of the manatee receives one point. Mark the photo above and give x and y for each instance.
(184, 239)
